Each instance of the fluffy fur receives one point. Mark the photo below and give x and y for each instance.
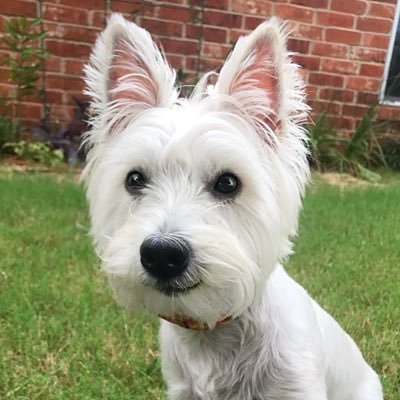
(280, 343)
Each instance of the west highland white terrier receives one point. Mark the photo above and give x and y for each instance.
(193, 203)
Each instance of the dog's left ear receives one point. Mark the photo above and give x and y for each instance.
(127, 73)
(260, 78)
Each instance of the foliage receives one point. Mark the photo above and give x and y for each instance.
(23, 60)
(8, 129)
(356, 154)
(323, 143)
(67, 139)
(36, 151)
(391, 151)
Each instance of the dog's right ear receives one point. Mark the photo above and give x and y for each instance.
(127, 74)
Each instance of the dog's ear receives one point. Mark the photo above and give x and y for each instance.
(260, 78)
(127, 73)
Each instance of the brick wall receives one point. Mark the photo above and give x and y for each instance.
(341, 44)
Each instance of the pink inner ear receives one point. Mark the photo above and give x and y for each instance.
(129, 77)
(261, 73)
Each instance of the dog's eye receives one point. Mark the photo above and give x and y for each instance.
(134, 181)
(227, 183)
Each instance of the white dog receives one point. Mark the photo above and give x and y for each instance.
(193, 203)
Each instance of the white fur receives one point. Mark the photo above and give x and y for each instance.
(281, 345)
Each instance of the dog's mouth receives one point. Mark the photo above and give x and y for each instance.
(173, 290)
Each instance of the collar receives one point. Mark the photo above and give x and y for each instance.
(192, 323)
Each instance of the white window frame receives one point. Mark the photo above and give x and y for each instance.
(389, 56)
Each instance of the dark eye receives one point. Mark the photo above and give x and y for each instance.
(134, 181)
(227, 183)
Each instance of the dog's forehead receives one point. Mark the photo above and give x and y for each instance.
(186, 135)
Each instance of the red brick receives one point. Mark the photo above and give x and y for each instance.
(210, 64)
(362, 83)
(354, 110)
(62, 113)
(54, 96)
(330, 50)
(97, 18)
(325, 106)
(298, 46)
(382, 10)
(330, 94)
(176, 14)
(218, 4)
(235, 34)
(339, 66)
(65, 83)
(18, 7)
(345, 123)
(370, 55)
(251, 23)
(5, 92)
(395, 114)
(179, 46)
(343, 36)
(218, 18)
(375, 40)
(255, 7)
(310, 63)
(385, 113)
(4, 75)
(69, 32)
(89, 4)
(177, 62)
(294, 13)
(215, 35)
(326, 79)
(311, 3)
(374, 25)
(210, 34)
(130, 8)
(366, 98)
(213, 50)
(304, 31)
(74, 67)
(163, 28)
(350, 6)
(373, 70)
(31, 111)
(53, 64)
(311, 92)
(65, 14)
(331, 18)
(191, 63)
(68, 49)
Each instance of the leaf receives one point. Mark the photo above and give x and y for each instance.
(367, 174)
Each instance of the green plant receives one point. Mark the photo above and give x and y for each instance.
(36, 151)
(363, 149)
(356, 154)
(323, 143)
(391, 151)
(23, 61)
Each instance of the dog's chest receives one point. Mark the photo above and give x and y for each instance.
(219, 369)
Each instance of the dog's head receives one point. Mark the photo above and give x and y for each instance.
(193, 201)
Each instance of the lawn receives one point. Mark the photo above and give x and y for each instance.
(63, 337)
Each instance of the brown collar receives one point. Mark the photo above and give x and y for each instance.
(191, 323)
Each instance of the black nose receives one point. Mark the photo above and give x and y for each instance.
(164, 258)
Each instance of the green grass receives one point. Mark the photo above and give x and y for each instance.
(63, 337)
